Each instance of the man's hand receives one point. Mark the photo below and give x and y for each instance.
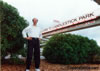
(28, 38)
(39, 38)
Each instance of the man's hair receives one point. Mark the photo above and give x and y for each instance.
(34, 18)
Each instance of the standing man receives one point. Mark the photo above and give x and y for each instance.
(33, 35)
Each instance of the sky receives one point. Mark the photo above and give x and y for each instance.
(49, 10)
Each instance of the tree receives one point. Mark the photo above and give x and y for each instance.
(97, 1)
(12, 25)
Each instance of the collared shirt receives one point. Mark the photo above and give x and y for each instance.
(32, 31)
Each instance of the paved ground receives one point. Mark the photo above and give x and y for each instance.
(45, 66)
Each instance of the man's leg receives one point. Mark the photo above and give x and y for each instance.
(29, 54)
(37, 54)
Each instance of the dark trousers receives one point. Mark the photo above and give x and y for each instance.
(34, 43)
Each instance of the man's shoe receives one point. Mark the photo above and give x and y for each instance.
(27, 70)
(37, 69)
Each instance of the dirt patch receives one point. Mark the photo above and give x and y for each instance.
(45, 66)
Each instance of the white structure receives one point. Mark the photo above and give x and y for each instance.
(81, 22)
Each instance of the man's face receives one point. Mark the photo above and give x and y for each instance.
(35, 21)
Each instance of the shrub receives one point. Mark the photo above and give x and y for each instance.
(12, 25)
(69, 49)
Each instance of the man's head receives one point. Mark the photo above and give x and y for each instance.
(35, 20)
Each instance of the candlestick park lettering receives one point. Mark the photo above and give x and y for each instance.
(78, 20)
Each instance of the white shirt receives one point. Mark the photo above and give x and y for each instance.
(32, 31)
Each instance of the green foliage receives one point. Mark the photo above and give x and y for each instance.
(12, 25)
(70, 49)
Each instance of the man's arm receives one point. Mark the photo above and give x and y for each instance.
(40, 36)
(24, 33)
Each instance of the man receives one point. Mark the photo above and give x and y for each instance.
(33, 35)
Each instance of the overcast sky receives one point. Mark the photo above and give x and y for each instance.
(48, 10)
